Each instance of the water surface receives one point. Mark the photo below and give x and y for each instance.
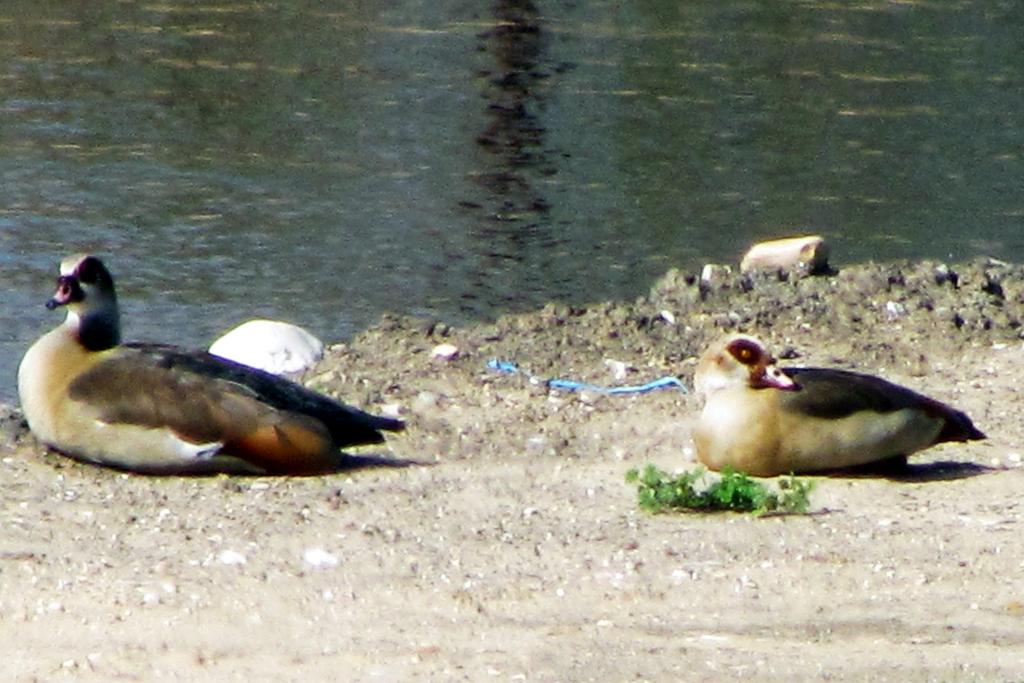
(323, 162)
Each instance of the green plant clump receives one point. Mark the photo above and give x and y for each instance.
(658, 491)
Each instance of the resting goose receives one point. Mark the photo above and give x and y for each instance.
(160, 409)
(766, 421)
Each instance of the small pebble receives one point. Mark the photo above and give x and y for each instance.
(445, 352)
(231, 557)
(424, 401)
(713, 274)
(895, 309)
(318, 557)
(619, 368)
(392, 410)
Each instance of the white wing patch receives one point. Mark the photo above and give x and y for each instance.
(157, 447)
(198, 451)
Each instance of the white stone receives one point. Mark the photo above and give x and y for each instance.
(231, 557)
(320, 558)
(271, 345)
(619, 368)
(712, 274)
(894, 309)
(445, 351)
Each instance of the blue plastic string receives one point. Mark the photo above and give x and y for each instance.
(508, 367)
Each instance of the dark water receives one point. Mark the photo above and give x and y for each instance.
(323, 162)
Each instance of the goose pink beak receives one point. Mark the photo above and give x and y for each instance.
(773, 378)
(68, 291)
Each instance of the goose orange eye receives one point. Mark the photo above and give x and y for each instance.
(745, 352)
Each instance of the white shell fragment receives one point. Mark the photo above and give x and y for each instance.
(271, 345)
(808, 253)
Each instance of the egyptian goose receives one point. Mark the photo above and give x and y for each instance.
(160, 409)
(765, 421)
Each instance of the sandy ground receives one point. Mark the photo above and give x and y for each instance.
(496, 540)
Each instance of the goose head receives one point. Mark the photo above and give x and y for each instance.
(739, 361)
(86, 289)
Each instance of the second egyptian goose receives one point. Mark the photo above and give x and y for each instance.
(157, 408)
(765, 421)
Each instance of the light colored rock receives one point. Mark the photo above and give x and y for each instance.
(713, 274)
(231, 557)
(271, 345)
(894, 310)
(445, 351)
(619, 369)
(808, 253)
(319, 558)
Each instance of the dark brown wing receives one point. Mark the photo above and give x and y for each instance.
(200, 396)
(830, 393)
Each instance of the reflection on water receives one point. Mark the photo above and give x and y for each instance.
(509, 222)
(325, 161)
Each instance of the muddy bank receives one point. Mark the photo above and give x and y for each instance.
(496, 539)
